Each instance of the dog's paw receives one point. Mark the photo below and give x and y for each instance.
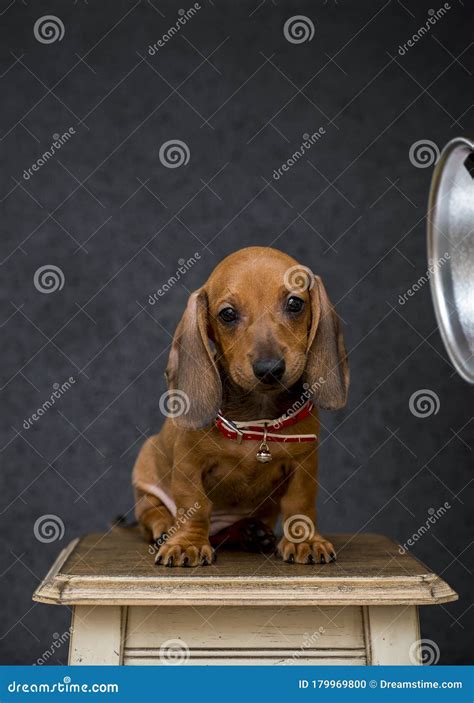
(248, 534)
(185, 553)
(317, 550)
(256, 536)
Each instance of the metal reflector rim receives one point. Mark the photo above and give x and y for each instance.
(449, 324)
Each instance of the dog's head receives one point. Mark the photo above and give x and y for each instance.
(265, 322)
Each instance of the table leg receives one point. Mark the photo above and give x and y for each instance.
(97, 635)
(390, 634)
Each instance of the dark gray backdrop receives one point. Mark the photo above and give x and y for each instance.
(116, 221)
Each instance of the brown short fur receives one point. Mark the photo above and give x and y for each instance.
(191, 459)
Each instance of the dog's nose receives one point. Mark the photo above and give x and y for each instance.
(269, 370)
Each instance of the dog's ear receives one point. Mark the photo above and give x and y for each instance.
(327, 370)
(191, 373)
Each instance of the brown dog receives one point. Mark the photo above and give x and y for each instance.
(254, 342)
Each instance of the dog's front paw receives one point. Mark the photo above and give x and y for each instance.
(184, 552)
(313, 551)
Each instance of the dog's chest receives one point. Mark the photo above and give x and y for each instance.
(238, 479)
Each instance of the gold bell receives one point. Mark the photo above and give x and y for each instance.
(263, 454)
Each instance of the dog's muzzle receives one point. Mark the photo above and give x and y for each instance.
(269, 370)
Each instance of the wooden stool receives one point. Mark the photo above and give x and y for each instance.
(245, 609)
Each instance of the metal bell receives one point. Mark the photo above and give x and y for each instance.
(263, 454)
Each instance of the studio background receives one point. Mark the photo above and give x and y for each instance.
(117, 222)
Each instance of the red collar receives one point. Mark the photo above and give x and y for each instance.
(262, 429)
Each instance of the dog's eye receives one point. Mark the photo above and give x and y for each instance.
(228, 315)
(294, 304)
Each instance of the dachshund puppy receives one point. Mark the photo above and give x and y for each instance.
(258, 349)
